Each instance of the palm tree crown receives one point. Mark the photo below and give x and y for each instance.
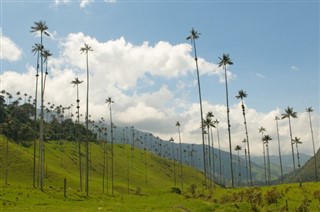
(194, 35)
(40, 26)
(225, 60)
(86, 49)
(266, 138)
(289, 113)
(241, 94)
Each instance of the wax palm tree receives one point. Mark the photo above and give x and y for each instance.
(109, 101)
(224, 61)
(36, 49)
(86, 49)
(181, 169)
(262, 130)
(77, 82)
(309, 111)
(210, 115)
(46, 54)
(194, 35)
(174, 161)
(279, 148)
(246, 159)
(216, 123)
(207, 123)
(241, 95)
(41, 27)
(297, 141)
(238, 148)
(289, 113)
(266, 139)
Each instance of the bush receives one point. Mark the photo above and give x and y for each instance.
(272, 196)
(175, 190)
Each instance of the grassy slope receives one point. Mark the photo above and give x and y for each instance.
(62, 163)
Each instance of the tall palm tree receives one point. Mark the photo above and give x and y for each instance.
(241, 95)
(309, 111)
(181, 170)
(266, 139)
(238, 148)
(246, 159)
(289, 113)
(174, 161)
(42, 28)
(224, 61)
(262, 130)
(77, 82)
(210, 115)
(297, 141)
(194, 35)
(109, 101)
(208, 123)
(36, 49)
(279, 148)
(46, 54)
(86, 49)
(216, 123)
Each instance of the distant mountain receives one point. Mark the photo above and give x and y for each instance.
(307, 171)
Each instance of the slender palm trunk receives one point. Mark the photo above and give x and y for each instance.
(229, 126)
(201, 113)
(79, 140)
(247, 137)
(298, 157)
(111, 125)
(264, 164)
(209, 159)
(212, 153)
(268, 164)
(279, 148)
(87, 127)
(41, 156)
(246, 158)
(239, 170)
(181, 169)
(104, 165)
(35, 125)
(314, 150)
(220, 169)
(293, 161)
(174, 165)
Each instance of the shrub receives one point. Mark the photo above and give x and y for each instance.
(272, 196)
(175, 190)
(304, 207)
(316, 195)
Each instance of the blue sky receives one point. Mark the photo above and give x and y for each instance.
(274, 46)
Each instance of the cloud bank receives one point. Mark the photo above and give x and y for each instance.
(150, 85)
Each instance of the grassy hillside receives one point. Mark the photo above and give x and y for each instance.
(149, 191)
(148, 172)
(308, 170)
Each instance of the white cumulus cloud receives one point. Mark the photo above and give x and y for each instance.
(8, 49)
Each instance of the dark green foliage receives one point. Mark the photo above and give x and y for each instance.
(175, 190)
(316, 195)
(304, 207)
(17, 123)
(272, 196)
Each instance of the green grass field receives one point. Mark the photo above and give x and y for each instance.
(149, 186)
